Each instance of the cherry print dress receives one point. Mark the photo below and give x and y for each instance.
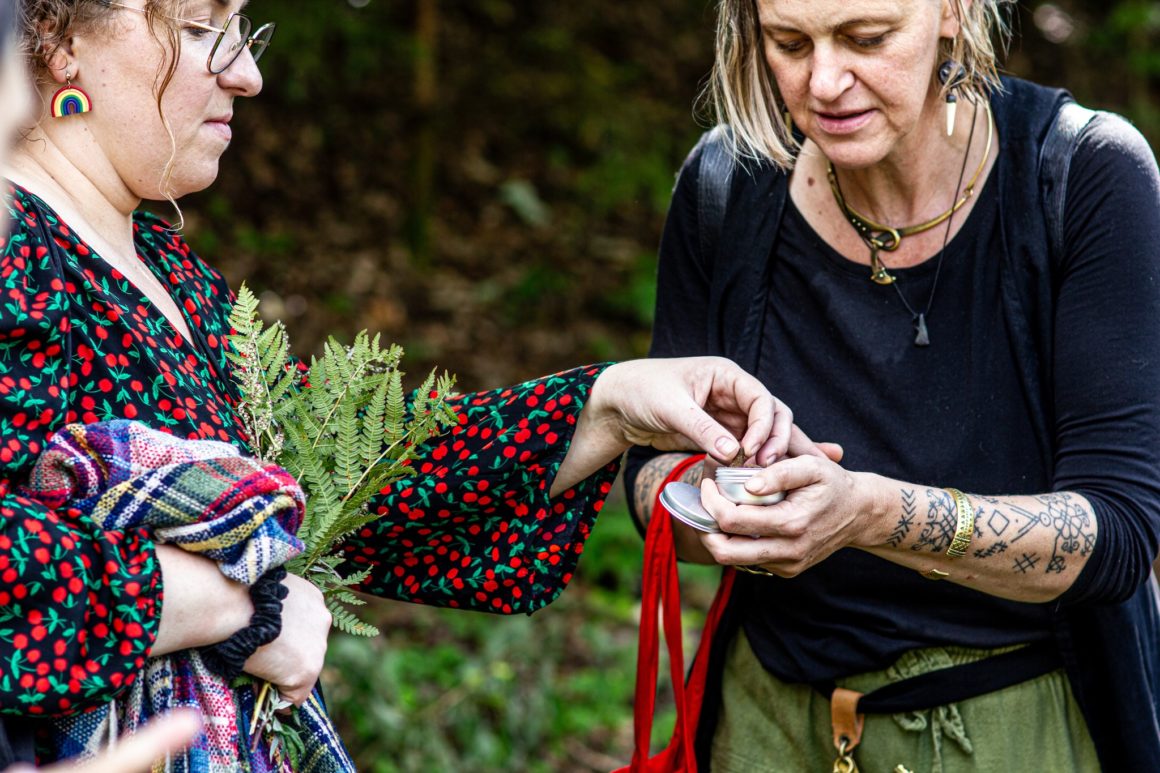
(473, 527)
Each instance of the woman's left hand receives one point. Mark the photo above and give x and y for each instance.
(825, 509)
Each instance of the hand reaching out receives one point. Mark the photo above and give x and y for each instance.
(135, 753)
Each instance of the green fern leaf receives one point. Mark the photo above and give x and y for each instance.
(344, 620)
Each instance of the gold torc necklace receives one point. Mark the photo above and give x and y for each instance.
(879, 236)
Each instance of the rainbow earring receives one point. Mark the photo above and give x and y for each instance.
(69, 100)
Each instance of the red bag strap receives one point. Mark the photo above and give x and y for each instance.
(661, 587)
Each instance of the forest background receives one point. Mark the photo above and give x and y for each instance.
(485, 183)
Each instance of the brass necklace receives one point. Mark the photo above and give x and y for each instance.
(879, 236)
(883, 237)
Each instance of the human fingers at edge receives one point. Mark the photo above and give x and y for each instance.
(135, 753)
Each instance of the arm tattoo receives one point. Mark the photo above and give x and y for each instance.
(1066, 519)
(649, 480)
(941, 522)
(1015, 530)
(902, 528)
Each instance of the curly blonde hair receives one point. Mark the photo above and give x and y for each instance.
(743, 94)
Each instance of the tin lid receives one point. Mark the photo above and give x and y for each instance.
(683, 501)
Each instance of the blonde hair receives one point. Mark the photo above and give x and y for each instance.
(44, 25)
(743, 94)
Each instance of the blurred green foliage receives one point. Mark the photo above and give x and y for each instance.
(485, 182)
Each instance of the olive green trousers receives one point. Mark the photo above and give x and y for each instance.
(767, 725)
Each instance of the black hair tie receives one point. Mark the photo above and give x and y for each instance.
(228, 658)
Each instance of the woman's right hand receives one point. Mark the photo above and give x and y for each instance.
(293, 661)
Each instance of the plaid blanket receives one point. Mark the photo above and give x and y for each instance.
(206, 498)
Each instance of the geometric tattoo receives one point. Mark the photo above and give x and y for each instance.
(1068, 520)
(1026, 563)
(902, 528)
(941, 522)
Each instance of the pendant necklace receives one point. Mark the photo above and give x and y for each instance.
(879, 237)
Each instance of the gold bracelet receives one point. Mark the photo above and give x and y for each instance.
(964, 526)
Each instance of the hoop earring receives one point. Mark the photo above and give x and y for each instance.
(952, 76)
(70, 100)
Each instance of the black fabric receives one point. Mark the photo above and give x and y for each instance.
(1084, 338)
(228, 658)
(957, 683)
(903, 411)
(17, 741)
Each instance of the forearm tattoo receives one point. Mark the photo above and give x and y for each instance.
(1048, 533)
(1063, 516)
(651, 476)
(938, 530)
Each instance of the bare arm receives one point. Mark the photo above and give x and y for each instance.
(1026, 548)
(202, 606)
(646, 489)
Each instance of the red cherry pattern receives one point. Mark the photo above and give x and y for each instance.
(78, 606)
(472, 528)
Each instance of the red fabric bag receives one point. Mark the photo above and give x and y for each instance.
(661, 591)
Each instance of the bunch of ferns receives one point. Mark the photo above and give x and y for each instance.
(344, 429)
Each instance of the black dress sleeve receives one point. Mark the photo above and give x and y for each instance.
(79, 606)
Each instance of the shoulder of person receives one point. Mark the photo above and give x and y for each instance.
(1026, 110)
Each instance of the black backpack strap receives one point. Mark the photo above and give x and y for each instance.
(714, 178)
(1054, 164)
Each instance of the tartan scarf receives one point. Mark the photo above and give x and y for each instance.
(205, 497)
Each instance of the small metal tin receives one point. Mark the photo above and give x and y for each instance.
(731, 483)
(684, 503)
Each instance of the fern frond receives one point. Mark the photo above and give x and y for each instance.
(374, 421)
(345, 436)
(344, 620)
(396, 413)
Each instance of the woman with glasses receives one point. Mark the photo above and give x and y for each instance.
(109, 315)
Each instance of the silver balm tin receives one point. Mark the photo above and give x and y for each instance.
(683, 501)
(731, 483)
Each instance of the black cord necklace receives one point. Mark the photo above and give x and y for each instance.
(866, 232)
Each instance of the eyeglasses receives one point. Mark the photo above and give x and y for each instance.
(228, 41)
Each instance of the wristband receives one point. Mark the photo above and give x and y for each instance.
(228, 658)
(964, 524)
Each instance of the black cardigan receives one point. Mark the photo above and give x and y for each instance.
(1107, 626)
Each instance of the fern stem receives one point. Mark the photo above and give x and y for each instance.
(258, 707)
(373, 464)
(326, 422)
